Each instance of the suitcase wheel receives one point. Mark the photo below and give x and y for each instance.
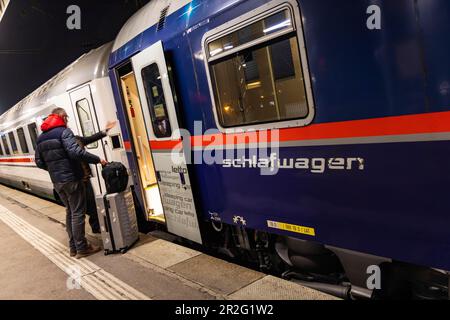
(106, 252)
(123, 251)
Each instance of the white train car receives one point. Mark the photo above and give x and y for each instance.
(84, 90)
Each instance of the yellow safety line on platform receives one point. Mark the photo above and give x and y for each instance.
(101, 284)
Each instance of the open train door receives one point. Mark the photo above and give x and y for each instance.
(158, 107)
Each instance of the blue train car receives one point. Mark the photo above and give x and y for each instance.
(350, 102)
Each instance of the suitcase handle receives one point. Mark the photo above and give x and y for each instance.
(106, 224)
(106, 219)
(107, 206)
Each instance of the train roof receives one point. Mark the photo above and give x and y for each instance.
(151, 14)
(90, 66)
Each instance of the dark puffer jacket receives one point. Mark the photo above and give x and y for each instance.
(83, 142)
(59, 153)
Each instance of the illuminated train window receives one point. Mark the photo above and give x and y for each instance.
(156, 101)
(115, 141)
(22, 140)
(257, 73)
(33, 131)
(5, 144)
(13, 142)
(86, 121)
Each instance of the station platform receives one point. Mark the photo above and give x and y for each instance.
(35, 264)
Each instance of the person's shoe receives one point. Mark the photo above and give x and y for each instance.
(90, 250)
(73, 252)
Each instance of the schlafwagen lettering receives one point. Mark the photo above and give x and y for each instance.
(314, 165)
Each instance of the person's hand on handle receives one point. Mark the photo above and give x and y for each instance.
(110, 125)
(103, 162)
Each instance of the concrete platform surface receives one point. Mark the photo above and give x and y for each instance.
(216, 274)
(27, 274)
(154, 269)
(163, 254)
(271, 288)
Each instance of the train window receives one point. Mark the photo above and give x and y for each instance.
(87, 124)
(13, 142)
(257, 73)
(156, 101)
(278, 22)
(5, 144)
(115, 141)
(22, 140)
(32, 130)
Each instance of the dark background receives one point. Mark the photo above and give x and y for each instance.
(35, 43)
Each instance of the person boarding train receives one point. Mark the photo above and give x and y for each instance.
(59, 153)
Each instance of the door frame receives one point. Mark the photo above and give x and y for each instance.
(100, 150)
(137, 173)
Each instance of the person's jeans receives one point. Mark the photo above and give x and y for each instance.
(91, 207)
(73, 196)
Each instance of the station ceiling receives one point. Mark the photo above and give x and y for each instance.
(35, 42)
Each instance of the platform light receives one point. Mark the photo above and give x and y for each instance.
(253, 85)
(7, 124)
(189, 10)
(228, 5)
(3, 7)
(96, 70)
(216, 52)
(281, 25)
(31, 110)
(199, 56)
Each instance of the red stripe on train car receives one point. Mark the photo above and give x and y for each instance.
(165, 145)
(157, 145)
(438, 122)
(399, 125)
(16, 160)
